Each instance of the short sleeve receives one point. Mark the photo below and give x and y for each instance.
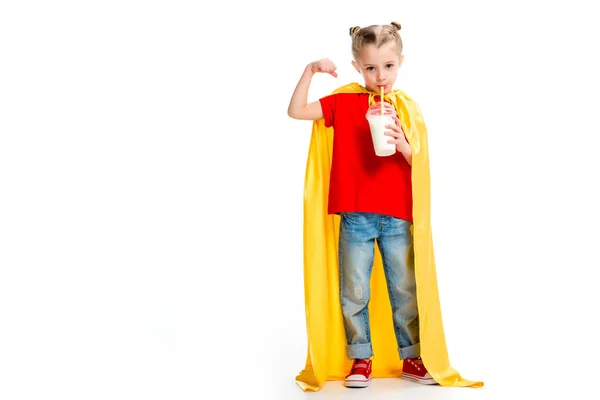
(328, 107)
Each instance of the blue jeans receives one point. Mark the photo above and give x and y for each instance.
(358, 233)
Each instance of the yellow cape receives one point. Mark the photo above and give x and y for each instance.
(326, 358)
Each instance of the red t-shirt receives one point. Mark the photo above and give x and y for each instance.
(360, 180)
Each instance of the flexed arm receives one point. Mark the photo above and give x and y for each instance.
(299, 109)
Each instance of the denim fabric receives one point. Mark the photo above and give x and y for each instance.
(358, 233)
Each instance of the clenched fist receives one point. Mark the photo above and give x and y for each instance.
(324, 65)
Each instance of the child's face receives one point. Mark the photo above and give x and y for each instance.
(379, 66)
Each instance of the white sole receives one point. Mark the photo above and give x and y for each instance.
(418, 379)
(357, 384)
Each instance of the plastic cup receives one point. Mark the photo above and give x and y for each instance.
(377, 122)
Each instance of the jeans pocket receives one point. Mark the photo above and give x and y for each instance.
(351, 217)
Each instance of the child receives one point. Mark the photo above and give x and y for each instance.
(373, 197)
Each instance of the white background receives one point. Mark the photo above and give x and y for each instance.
(151, 190)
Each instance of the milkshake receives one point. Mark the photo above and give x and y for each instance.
(377, 122)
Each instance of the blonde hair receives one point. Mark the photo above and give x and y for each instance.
(377, 35)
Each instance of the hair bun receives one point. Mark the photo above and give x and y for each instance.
(354, 29)
(396, 24)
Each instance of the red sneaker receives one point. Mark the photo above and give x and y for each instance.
(414, 370)
(360, 374)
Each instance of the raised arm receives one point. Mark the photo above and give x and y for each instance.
(299, 109)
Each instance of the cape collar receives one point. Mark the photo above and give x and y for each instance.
(394, 97)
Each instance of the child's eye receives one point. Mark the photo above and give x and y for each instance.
(370, 68)
(389, 65)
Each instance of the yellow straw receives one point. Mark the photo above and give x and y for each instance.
(382, 100)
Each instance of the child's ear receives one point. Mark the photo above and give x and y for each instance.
(355, 65)
(400, 59)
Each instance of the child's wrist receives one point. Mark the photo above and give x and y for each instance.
(404, 148)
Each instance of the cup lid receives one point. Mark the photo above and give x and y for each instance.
(375, 108)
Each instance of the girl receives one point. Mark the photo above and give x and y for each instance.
(373, 197)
